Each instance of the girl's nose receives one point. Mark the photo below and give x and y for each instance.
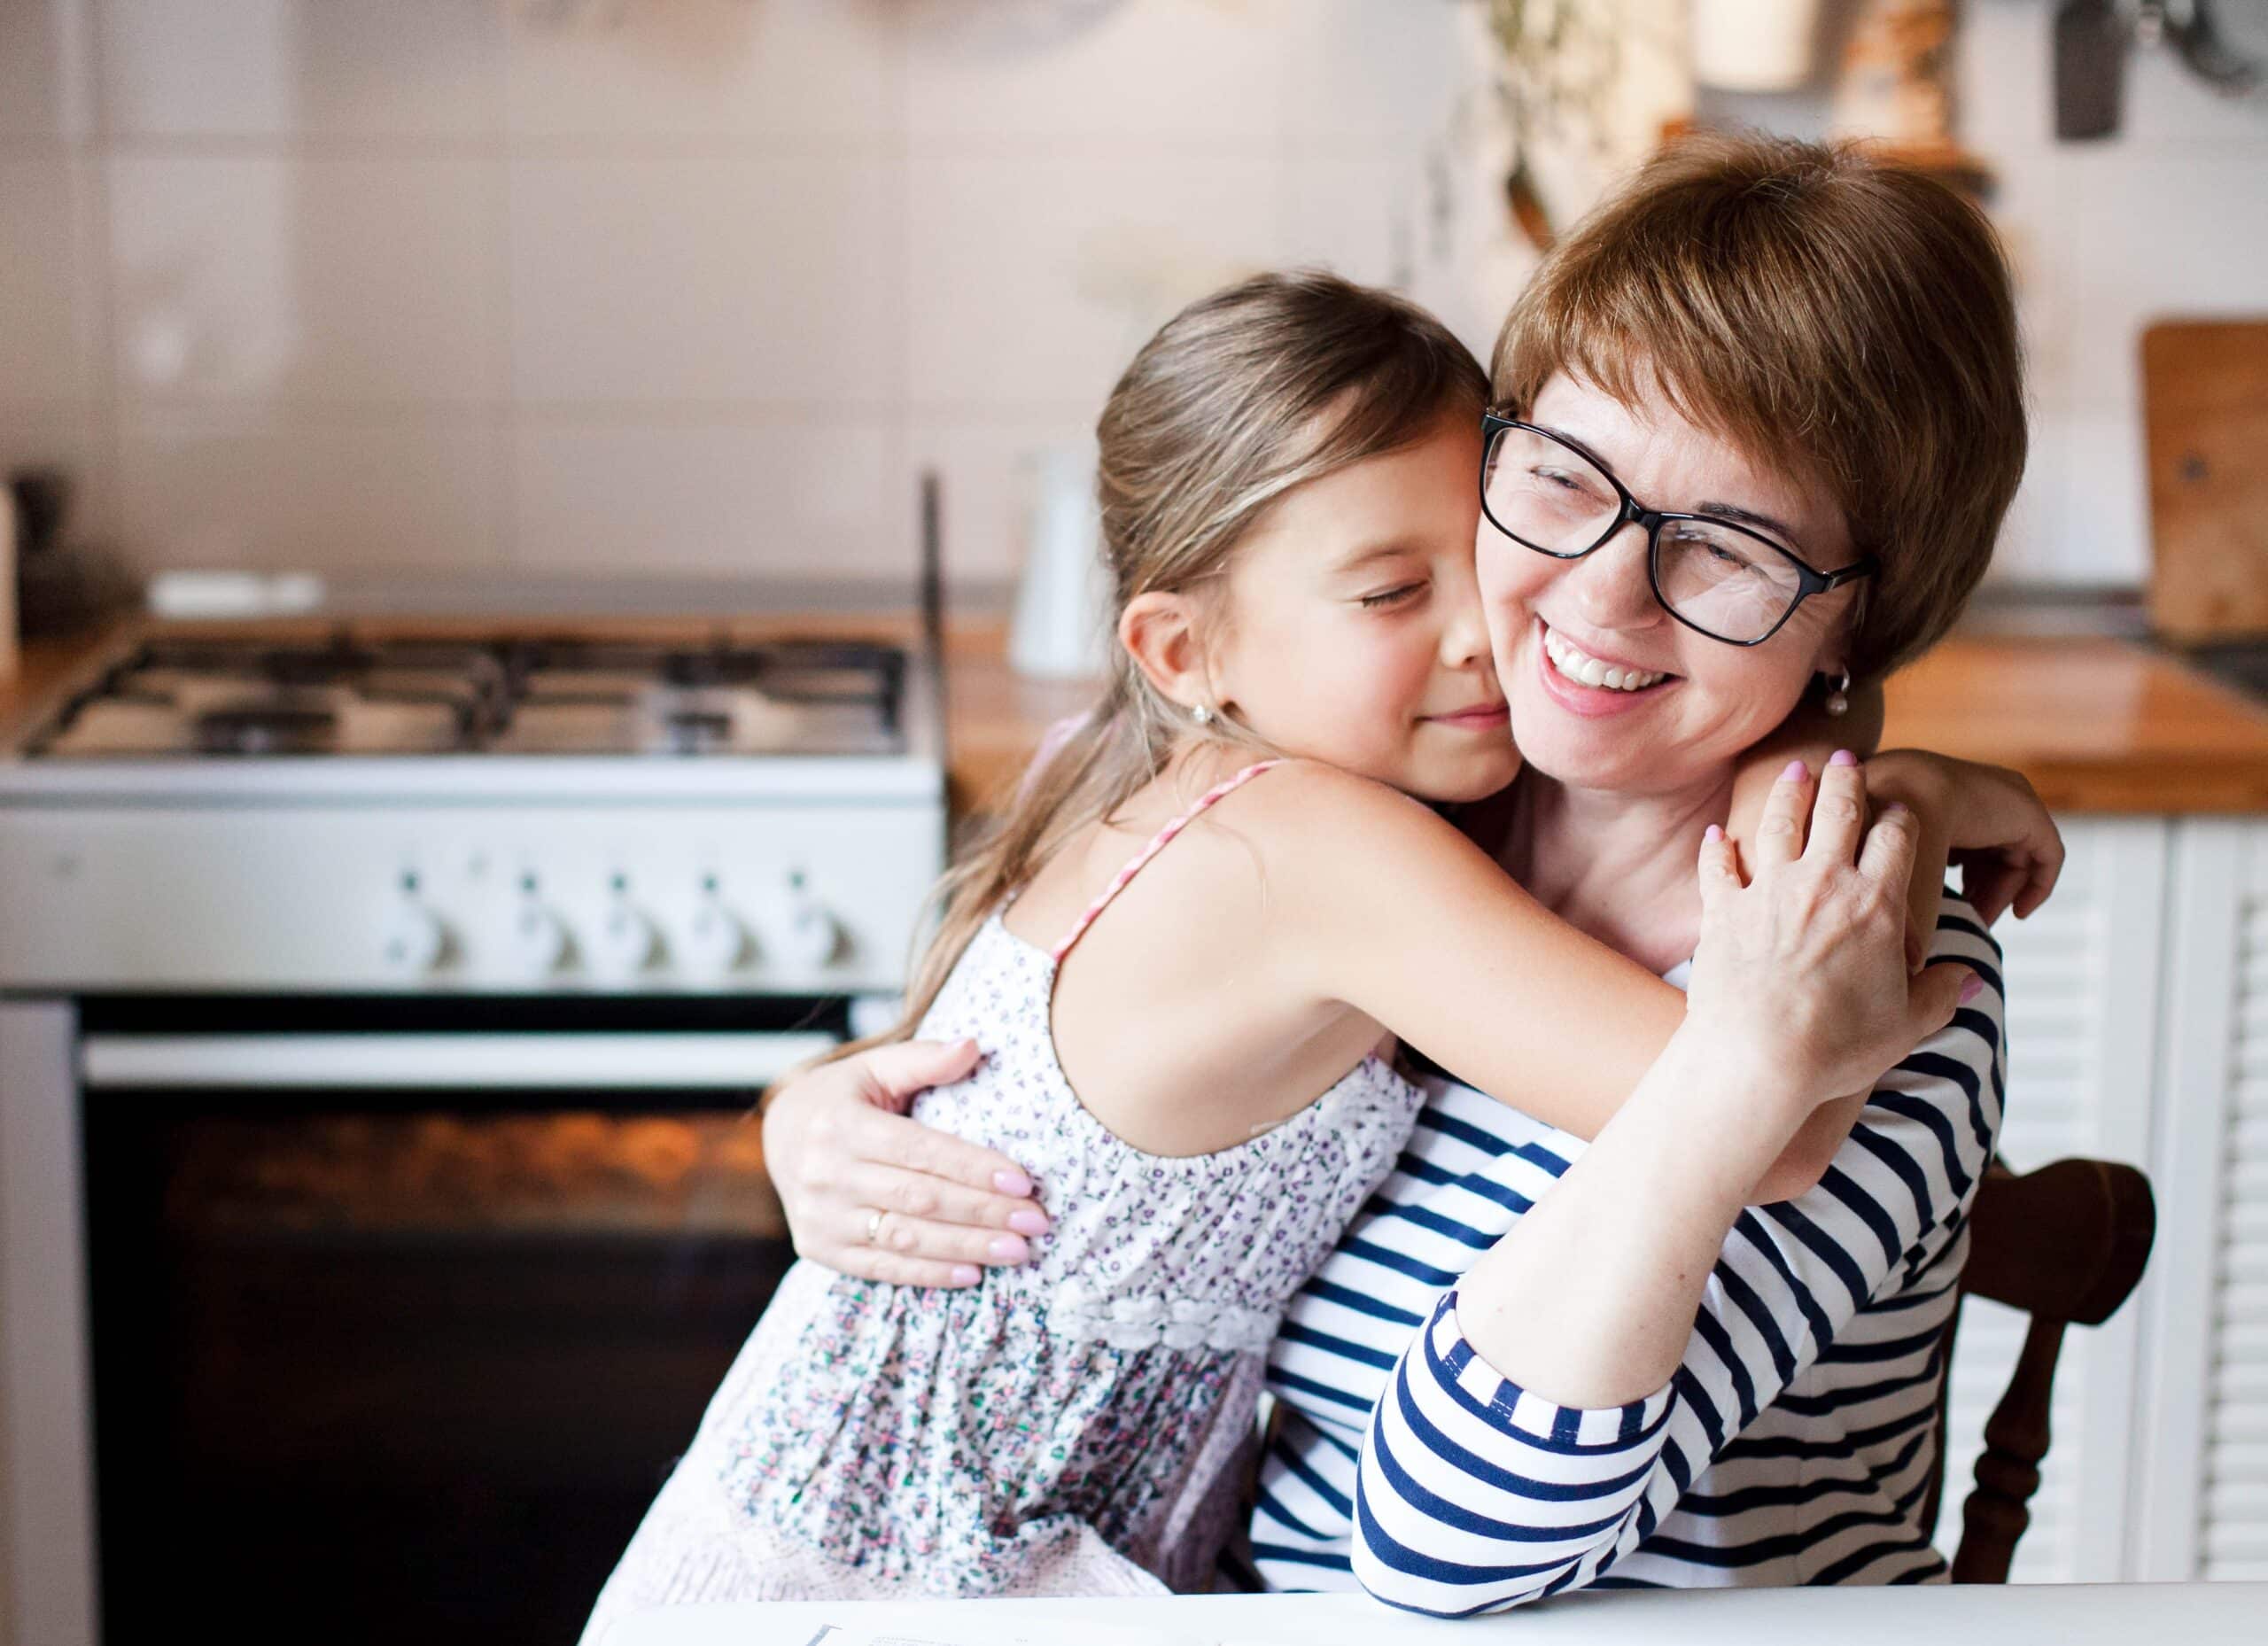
(1610, 585)
(1465, 637)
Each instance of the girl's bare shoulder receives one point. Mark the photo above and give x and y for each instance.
(1311, 823)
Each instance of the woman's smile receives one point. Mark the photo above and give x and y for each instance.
(1586, 684)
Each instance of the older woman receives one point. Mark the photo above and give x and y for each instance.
(1533, 1364)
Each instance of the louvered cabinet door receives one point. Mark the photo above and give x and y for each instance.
(2082, 977)
(2203, 1510)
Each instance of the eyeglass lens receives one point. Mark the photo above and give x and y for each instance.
(1727, 582)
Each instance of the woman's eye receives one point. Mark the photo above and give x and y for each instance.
(1392, 596)
(1557, 478)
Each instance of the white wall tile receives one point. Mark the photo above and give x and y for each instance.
(49, 289)
(201, 488)
(2031, 540)
(805, 70)
(1365, 218)
(2103, 523)
(2031, 209)
(326, 281)
(2189, 235)
(1178, 70)
(986, 469)
(1362, 73)
(800, 494)
(771, 279)
(301, 67)
(32, 67)
(1031, 280)
(2003, 84)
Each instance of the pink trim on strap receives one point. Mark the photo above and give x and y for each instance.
(1206, 802)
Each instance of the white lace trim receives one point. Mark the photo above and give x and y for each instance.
(1144, 1320)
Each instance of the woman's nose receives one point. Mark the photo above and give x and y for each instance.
(1610, 585)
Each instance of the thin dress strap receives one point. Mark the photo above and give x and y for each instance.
(1206, 802)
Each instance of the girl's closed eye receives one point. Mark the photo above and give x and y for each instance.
(1400, 594)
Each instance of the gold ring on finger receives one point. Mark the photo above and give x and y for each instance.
(874, 1226)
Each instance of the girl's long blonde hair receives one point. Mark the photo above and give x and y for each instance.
(1273, 382)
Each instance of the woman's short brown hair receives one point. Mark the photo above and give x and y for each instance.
(1822, 309)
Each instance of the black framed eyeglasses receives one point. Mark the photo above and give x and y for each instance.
(1715, 576)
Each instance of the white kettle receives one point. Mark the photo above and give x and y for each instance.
(1058, 631)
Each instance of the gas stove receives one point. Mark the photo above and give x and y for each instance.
(170, 699)
(518, 812)
(382, 998)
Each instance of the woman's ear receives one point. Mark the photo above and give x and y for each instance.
(1159, 631)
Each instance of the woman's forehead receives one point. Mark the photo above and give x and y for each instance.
(1653, 443)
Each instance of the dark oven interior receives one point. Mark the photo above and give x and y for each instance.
(388, 1365)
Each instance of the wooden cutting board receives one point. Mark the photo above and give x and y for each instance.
(2205, 407)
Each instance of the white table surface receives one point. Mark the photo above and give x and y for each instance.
(2174, 1614)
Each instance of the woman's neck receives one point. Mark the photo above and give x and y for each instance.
(1618, 866)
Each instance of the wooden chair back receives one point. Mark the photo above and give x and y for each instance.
(2066, 1245)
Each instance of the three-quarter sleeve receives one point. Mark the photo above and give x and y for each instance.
(1472, 1495)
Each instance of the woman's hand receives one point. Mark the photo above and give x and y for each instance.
(1992, 821)
(1801, 967)
(874, 1193)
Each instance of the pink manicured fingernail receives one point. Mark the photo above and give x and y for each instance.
(1893, 808)
(1028, 1222)
(1971, 987)
(1011, 1182)
(967, 1274)
(1008, 1249)
(1712, 833)
(1841, 757)
(1795, 772)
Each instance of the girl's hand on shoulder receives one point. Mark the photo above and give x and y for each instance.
(875, 1193)
(1801, 967)
(1991, 820)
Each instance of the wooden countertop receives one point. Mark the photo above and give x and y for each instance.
(2098, 725)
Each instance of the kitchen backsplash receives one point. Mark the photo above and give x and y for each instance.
(693, 287)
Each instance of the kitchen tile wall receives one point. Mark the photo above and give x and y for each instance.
(637, 287)
(693, 287)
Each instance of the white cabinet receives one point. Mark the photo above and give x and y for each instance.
(2138, 1031)
(2083, 979)
(2203, 1419)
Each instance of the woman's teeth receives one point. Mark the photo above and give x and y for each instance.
(1581, 665)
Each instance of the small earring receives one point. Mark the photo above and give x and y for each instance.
(1202, 714)
(1839, 701)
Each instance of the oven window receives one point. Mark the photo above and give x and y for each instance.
(404, 1365)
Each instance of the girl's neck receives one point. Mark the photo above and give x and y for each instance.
(1618, 866)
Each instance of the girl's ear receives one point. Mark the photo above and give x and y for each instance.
(1159, 631)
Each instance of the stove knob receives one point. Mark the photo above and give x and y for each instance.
(537, 940)
(624, 943)
(715, 940)
(415, 938)
(813, 937)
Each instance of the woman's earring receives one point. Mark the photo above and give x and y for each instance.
(1202, 714)
(1839, 701)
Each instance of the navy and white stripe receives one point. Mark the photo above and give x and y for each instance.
(1793, 1445)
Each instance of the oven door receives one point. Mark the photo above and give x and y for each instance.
(397, 1326)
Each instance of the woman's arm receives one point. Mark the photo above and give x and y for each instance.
(1536, 1431)
(839, 1148)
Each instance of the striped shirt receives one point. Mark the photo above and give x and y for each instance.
(1794, 1444)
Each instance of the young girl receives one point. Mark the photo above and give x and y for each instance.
(1187, 1030)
